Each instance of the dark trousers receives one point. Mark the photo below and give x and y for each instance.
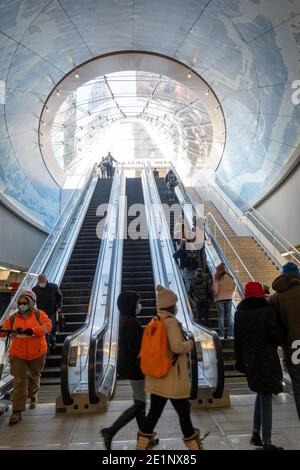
(295, 377)
(182, 408)
(109, 171)
(202, 311)
(51, 337)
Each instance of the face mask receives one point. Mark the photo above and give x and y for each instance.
(138, 309)
(23, 308)
(42, 284)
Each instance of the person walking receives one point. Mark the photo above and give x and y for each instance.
(130, 337)
(257, 335)
(286, 301)
(201, 293)
(224, 287)
(174, 386)
(110, 162)
(49, 299)
(27, 352)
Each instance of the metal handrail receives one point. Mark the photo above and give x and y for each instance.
(65, 388)
(179, 281)
(231, 246)
(164, 279)
(291, 250)
(26, 284)
(97, 339)
(264, 223)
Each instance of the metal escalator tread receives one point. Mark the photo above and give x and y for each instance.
(137, 271)
(77, 282)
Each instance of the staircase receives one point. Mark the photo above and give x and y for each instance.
(258, 263)
(78, 279)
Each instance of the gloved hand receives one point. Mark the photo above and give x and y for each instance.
(19, 331)
(61, 322)
(28, 332)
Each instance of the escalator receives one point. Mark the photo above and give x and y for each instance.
(78, 279)
(137, 272)
(235, 381)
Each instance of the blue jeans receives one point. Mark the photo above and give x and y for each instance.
(263, 415)
(295, 377)
(224, 309)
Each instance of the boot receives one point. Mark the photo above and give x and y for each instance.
(270, 446)
(33, 403)
(194, 442)
(145, 441)
(132, 412)
(256, 439)
(15, 417)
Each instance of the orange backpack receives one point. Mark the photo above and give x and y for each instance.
(155, 360)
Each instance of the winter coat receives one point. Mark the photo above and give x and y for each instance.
(181, 254)
(29, 347)
(257, 334)
(176, 383)
(286, 301)
(223, 288)
(201, 288)
(49, 298)
(130, 338)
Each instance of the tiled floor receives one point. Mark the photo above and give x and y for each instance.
(229, 427)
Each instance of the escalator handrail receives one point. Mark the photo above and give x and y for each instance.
(66, 393)
(158, 253)
(74, 197)
(218, 392)
(210, 235)
(98, 337)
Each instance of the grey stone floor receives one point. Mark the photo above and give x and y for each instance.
(229, 427)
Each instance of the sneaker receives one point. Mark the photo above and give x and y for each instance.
(33, 403)
(270, 446)
(256, 440)
(15, 417)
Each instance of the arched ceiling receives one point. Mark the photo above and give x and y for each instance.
(247, 50)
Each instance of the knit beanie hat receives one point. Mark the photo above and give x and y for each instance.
(290, 269)
(165, 297)
(127, 302)
(254, 289)
(30, 296)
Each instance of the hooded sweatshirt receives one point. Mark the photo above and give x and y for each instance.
(286, 302)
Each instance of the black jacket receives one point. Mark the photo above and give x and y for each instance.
(201, 288)
(130, 338)
(257, 334)
(49, 298)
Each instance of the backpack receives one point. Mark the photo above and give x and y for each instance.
(12, 318)
(155, 360)
(192, 261)
(200, 289)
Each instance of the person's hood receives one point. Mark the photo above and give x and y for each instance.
(284, 282)
(251, 303)
(127, 302)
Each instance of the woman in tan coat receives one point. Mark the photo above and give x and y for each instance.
(174, 385)
(224, 287)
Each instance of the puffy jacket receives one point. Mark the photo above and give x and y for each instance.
(130, 338)
(29, 347)
(201, 288)
(257, 334)
(49, 298)
(223, 288)
(176, 383)
(286, 301)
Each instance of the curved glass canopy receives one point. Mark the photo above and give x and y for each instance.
(150, 104)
